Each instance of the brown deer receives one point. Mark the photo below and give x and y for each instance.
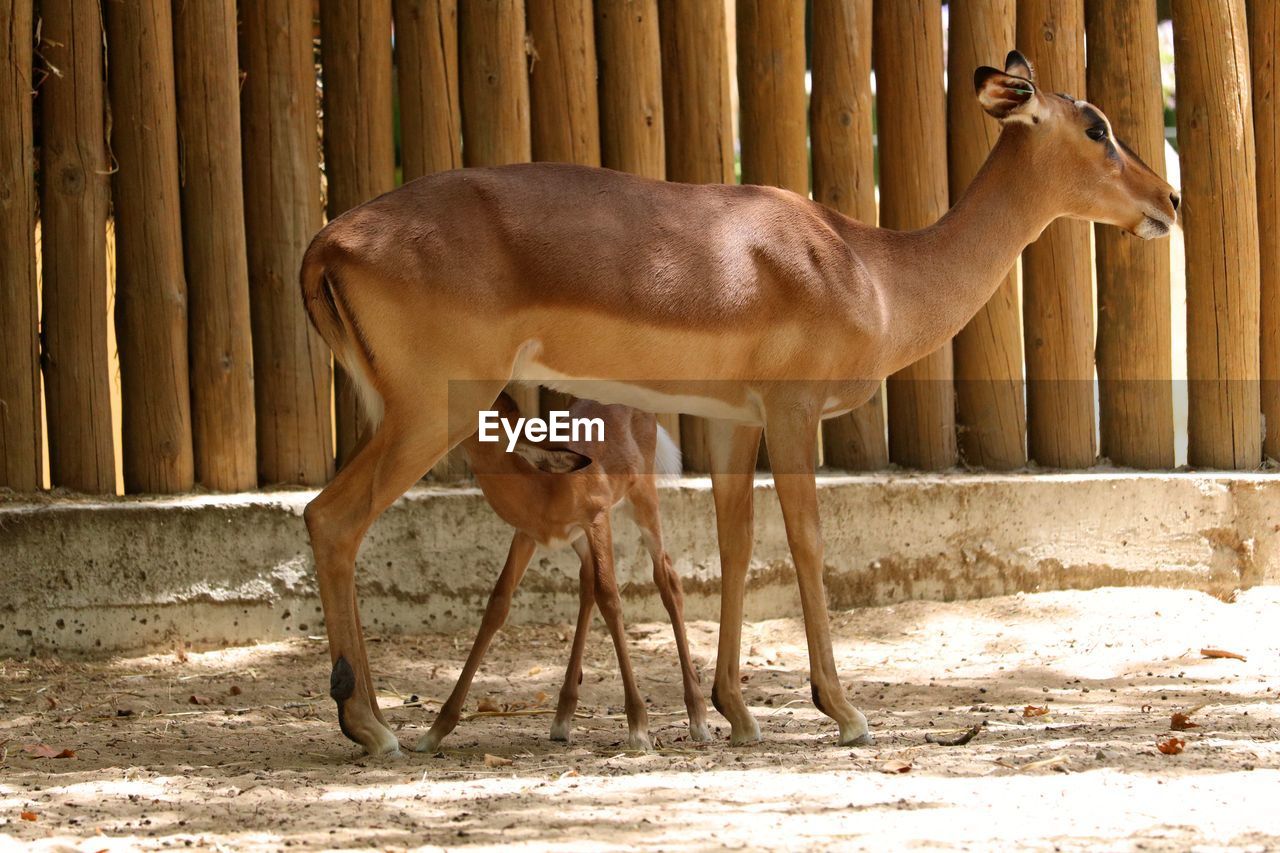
(554, 494)
(752, 306)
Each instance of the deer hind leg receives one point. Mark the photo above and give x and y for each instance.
(734, 450)
(600, 541)
(393, 459)
(644, 504)
(568, 702)
(791, 437)
(495, 615)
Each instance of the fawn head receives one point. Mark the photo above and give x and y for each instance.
(1100, 179)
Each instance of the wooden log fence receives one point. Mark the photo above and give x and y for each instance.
(842, 132)
(212, 203)
(991, 415)
(912, 111)
(75, 194)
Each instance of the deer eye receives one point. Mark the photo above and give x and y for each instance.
(1097, 132)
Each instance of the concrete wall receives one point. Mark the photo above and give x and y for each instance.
(82, 576)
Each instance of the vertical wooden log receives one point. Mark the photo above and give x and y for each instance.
(562, 82)
(562, 99)
(698, 124)
(1057, 282)
(208, 88)
(771, 65)
(912, 112)
(359, 146)
(632, 127)
(20, 461)
(990, 411)
(844, 178)
(628, 47)
(151, 288)
(426, 48)
(1220, 220)
(281, 155)
(75, 193)
(1264, 51)
(1135, 362)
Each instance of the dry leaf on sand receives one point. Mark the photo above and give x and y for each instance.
(496, 761)
(1171, 745)
(895, 765)
(1221, 653)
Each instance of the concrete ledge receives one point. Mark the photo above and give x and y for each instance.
(86, 576)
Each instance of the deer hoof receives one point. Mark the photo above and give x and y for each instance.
(560, 731)
(699, 732)
(639, 742)
(855, 732)
(746, 734)
(430, 742)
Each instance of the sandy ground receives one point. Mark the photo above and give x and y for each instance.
(259, 763)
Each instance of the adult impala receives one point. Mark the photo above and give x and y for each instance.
(752, 306)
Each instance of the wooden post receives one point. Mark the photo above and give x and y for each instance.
(632, 127)
(912, 112)
(1135, 362)
(1057, 281)
(20, 462)
(562, 99)
(427, 73)
(359, 145)
(75, 193)
(562, 82)
(1220, 220)
(281, 156)
(698, 124)
(208, 85)
(844, 178)
(990, 411)
(629, 52)
(771, 66)
(1264, 51)
(151, 289)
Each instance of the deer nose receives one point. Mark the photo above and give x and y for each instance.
(1175, 199)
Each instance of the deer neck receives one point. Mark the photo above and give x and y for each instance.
(934, 280)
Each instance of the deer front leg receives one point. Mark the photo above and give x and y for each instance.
(733, 461)
(568, 702)
(495, 616)
(600, 541)
(790, 437)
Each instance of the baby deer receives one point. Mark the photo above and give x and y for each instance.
(557, 494)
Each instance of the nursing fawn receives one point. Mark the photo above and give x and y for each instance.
(557, 494)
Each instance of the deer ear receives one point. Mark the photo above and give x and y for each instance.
(1005, 96)
(552, 459)
(1017, 65)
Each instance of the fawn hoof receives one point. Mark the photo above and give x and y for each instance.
(746, 733)
(639, 742)
(855, 732)
(560, 731)
(430, 742)
(699, 732)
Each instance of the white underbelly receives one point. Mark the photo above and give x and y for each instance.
(637, 396)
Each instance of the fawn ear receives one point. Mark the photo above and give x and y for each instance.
(552, 459)
(1005, 96)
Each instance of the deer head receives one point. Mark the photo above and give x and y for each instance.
(1071, 142)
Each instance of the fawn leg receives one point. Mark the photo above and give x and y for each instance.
(495, 615)
(568, 702)
(645, 505)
